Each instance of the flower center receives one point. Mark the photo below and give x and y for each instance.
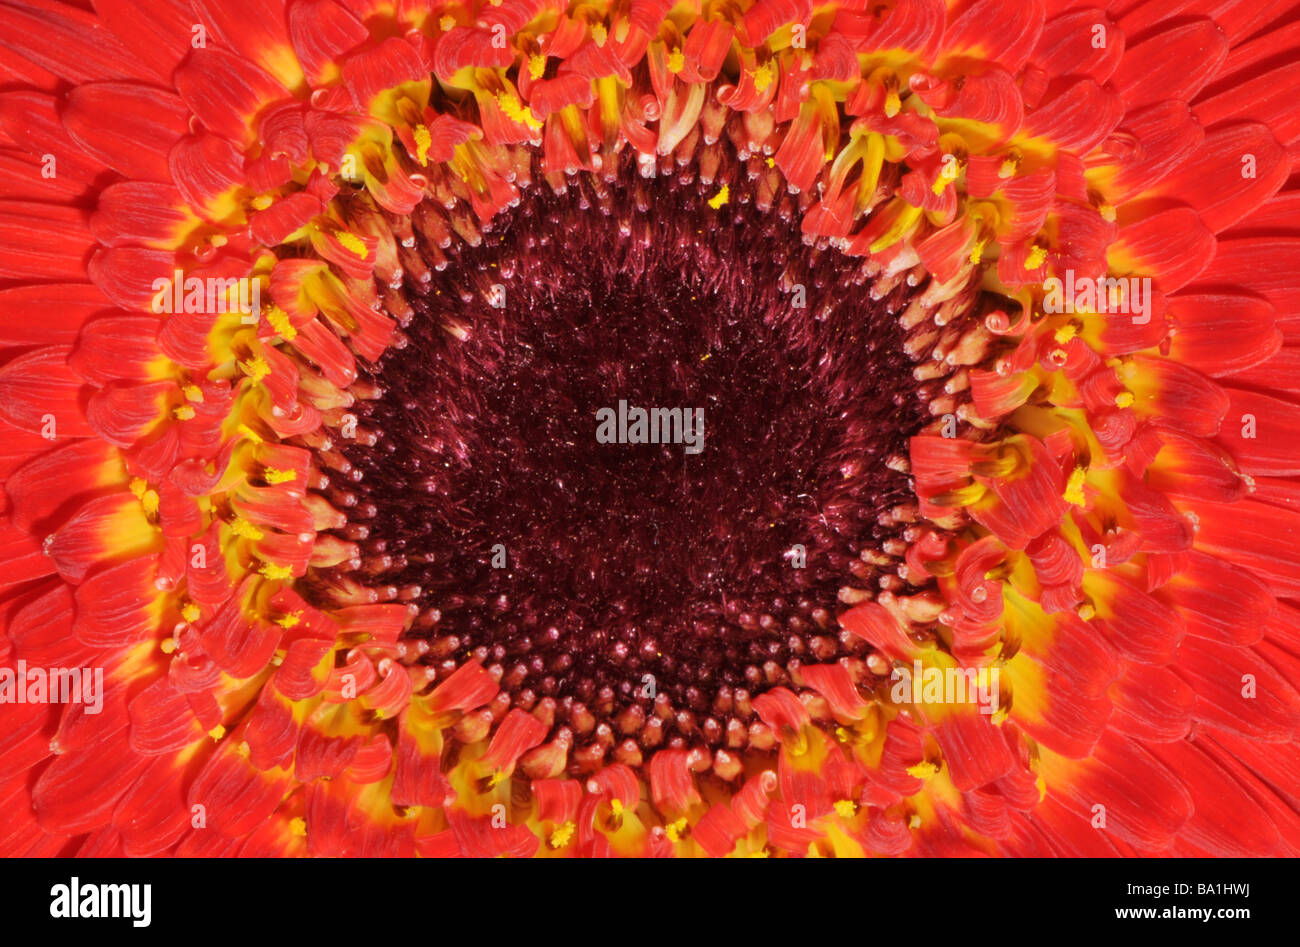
(636, 449)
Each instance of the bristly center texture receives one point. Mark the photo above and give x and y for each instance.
(611, 575)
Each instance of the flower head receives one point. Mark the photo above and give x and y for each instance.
(974, 531)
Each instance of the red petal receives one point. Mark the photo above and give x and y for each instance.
(469, 687)
(48, 314)
(225, 92)
(78, 791)
(1272, 99)
(1219, 159)
(672, 785)
(257, 29)
(1199, 43)
(122, 413)
(1001, 31)
(39, 386)
(1069, 722)
(873, 624)
(1273, 447)
(135, 213)
(1153, 704)
(113, 605)
(126, 275)
(21, 556)
(1152, 143)
(1065, 47)
(974, 750)
(235, 796)
(115, 348)
(159, 35)
(1183, 399)
(43, 242)
(1225, 821)
(1173, 246)
(1264, 539)
(322, 30)
(146, 122)
(85, 540)
(718, 831)
(1222, 676)
(1269, 266)
(518, 732)
(1139, 626)
(1220, 334)
(161, 719)
(69, 42)
(152, 815)
(1145, 804)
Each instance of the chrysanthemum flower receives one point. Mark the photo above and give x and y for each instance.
(308, 311)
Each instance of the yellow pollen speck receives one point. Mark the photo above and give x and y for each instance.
(168, 645)
(183, 413)
(1087, 612)
(190, 612)
(977, 252)
(1066, 333)
(1074, 489)
(138, 486)
(289, 621)
(447, 23)
(1107, 212)
(242, 527)
(516, 111)
(355, 243)
(771, 162)
(536, 66)
(563, 835)
(914, 822)
(616, 806)
(423, 142)
(599, 34)
(217, 732)
(1037, 257)
(842, 734)
(150, 502)
(255, 368)
(276, 475)
(923, 770)
(676, 61)
(763, 77)
(262, 202)
(279, 320)
(193, 393)
(845, 808)
(893, 104)
(674, 830)
(272, 571)
(498, 776)
(717, 200)
(298, 826)
(1124, 399)
(1009, 167)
